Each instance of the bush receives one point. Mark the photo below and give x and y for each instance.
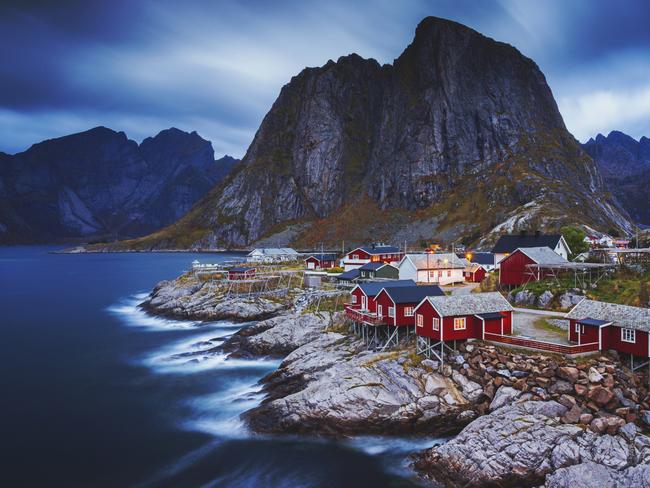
(336, 269)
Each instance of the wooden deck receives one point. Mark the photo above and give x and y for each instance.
(541, 345)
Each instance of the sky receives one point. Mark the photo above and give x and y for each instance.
(216, 67)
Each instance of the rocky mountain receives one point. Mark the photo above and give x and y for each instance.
(459, 138)
(99, 184)
(625, 165)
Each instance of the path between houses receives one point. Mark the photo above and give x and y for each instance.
(461, 289)
(524, 325)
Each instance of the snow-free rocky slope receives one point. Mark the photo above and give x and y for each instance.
(99, 184)
(460, 134)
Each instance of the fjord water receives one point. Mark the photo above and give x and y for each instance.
(93, 392)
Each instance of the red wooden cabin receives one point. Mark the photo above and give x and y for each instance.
(619, 327)
(474, 273)
(397, 304)
(321, 261)
(375, 253)
(241, 273)
(461, 317)
(362, 297)
(516, 270)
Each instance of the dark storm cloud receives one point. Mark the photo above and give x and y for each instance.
(217, 66)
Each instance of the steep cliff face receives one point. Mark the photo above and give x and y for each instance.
(461, 135)
(99, 184)
(625, 166)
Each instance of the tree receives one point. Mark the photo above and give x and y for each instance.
(575, 238)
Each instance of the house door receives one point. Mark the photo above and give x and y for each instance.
(363, 302)
(380, 312)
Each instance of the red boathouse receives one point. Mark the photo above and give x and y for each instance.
(515, 269)
(397, 304)
(440, 320)
(474, 273)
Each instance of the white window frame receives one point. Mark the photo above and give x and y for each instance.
(630, 334)
(391, 312)
(458, 321)
(409, 311)
(448, 273)
(577, 328)
(355, 257)
(435, 324)
(419, 320)
(354, 299)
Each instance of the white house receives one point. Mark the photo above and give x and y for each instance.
(272, 255)
(439, 269)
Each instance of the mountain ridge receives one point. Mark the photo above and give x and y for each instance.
(98, 183)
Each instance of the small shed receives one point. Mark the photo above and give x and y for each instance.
(378, 270)
(321, 261)
(474, 273)
(241, 273)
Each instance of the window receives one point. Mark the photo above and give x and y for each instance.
(577, 328)
(628, 335)
(432, 275)
(459, 323)
(355, 257)
(436, 323)
(449, 273)
(391, 311)
(439, 274)
(408, 312)
(354, 299)
(419, 320)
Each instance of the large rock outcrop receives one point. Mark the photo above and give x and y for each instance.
(99, 184)
(459, 137)
(521, 444)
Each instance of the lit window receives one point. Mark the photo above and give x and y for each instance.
(419, 320)
(391, 311)
(628, 335)
(408, 312)
(459, 323)
(436, 324)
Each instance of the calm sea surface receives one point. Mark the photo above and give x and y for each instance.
(93, 392)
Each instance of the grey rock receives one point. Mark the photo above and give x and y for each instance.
(505, 395)
(545, 299)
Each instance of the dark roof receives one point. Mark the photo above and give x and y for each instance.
(483, 258)
(371, 289)
(353, 274)
(510, 243)
(241, 270)
(490, 315)
(380, 249)
(593, 322)
(413, 294)
(324, 257)
(371, 266)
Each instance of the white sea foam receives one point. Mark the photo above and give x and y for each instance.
(376, 445)
(133, 316)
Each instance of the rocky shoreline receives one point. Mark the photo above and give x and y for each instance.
(522, 419)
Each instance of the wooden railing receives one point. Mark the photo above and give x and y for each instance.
(364, 316)
(541, 345)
